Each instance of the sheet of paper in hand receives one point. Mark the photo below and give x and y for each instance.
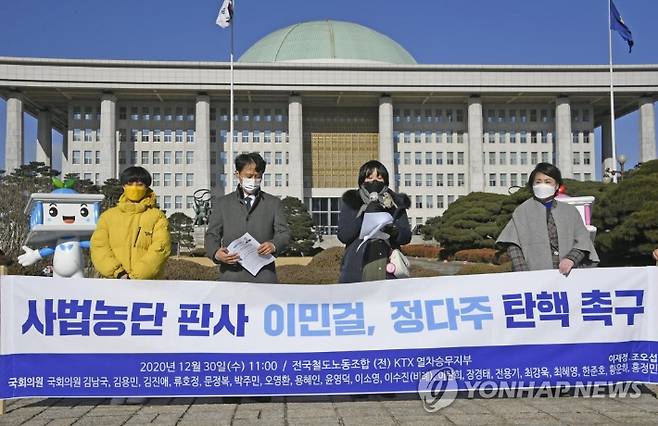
(372, 225)
(247, 247)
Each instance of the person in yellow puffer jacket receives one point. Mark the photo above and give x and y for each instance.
(132, 239)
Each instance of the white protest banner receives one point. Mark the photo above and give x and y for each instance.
(93, 337)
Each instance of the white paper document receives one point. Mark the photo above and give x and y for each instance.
(372, 225)
(247, 247)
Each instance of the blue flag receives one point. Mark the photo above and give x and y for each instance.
(617, 24)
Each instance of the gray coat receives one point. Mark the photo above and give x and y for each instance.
(527, 229)
(229, 219)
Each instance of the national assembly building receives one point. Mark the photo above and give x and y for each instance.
(316, 100)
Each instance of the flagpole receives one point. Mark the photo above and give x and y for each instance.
(229, 155)
(612, 96)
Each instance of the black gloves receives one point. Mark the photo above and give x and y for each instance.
(391, 229)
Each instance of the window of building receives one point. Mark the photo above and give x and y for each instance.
(428, 179)
(512, 137)
(576, 158)
(167, 136)
(492, 158)
(166, 205)
(524, 158)
(460, 179)
(167, 157)
(156, 135)
(503, 179)
(407, 179)
(76, 113)
(451, 179)
(439, 158)
(512, 158)
(439, 179)
(428, 158)
(134, 113)
(156, 179)
(156, 157)
(407, 158)
(513, 180)
(98, 157)
(524, 137)
(460, 158)
(278, 180)
(122, 157)
(439, 201)
(418, 159)
(450, 160)
(189, 202)
(87, 157)
(419, 179)
(178, 179)
(278, 158)
(419, 201)
(492, 179)
(502, 158)
(75, 157)
(145, 157)
(189, 179)
(533, 158)
(586, 158)
(146, 114)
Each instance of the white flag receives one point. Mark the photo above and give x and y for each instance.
(225, 16)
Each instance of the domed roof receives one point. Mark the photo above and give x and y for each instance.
(327, 42)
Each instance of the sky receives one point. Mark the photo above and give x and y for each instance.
(433, 31)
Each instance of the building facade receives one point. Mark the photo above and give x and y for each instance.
(317, 100)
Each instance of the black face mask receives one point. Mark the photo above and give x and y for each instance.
(374, 186)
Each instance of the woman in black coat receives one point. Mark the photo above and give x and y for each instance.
(367, 261)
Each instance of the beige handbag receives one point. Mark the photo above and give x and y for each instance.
(400, 268)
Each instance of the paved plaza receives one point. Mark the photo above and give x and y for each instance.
(338, 410)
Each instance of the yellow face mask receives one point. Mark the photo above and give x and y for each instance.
(134, 193)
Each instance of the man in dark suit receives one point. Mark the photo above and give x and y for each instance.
(247, 209)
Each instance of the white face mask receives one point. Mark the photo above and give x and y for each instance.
(543, 190)
(250, 185)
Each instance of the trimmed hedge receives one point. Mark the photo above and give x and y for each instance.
(481, 268)
(422, 250)
(484, 255)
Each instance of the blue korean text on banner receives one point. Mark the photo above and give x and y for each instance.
(105, 338)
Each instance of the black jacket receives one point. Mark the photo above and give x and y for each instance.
(349, 228)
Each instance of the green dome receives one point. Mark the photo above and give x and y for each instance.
(327, 42)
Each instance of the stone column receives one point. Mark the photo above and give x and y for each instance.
(202, 141)
(44, 136)
(108, 166)
(296, 146)
(563, 134)
(606, 145)
(386, 146)
(647, 129)
(14, 132)
(475, 166)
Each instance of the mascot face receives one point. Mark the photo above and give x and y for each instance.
(63, 213)
(65, 207)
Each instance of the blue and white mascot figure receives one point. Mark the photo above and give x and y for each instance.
(61, 224)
